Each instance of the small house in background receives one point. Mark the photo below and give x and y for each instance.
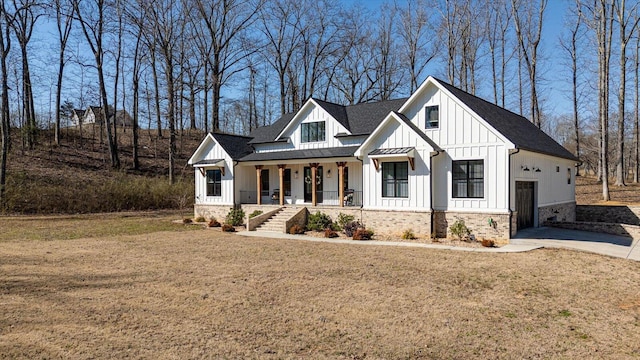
(419, 164)
(77, 116)
(93, 115)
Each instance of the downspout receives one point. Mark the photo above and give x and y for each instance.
(361, 185)
(509, 189)
(431, 156)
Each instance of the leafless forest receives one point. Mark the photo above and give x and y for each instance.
(234, 65)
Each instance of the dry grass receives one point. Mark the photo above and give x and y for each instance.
(200, 294)
(589, 191)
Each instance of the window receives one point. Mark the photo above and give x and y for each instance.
(569, 176)
(468, 179)
(313, 131)
(345, 175)
(214, 182)
(264, 178)
(431, 117)
(395, 179)
(287, 182)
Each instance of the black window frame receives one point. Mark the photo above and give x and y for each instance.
(307, 128)
(429, 124)
(397, 182)
(467, 178)
(264, 182)
(287, 182)
(214, 182)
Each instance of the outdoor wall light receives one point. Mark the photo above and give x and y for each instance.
(537, 169)
(524, 168)
(329, 173)
(295, 174)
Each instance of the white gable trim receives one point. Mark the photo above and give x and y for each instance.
(296, 117)
(431, 81)
(197, 154)
(391, 117)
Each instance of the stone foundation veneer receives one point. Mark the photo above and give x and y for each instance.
(477, 223)
(565, 212)
(622, 214)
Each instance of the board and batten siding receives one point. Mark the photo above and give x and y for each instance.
(463, 136)
(214, 151)
(552, 185)
(314, 113)
(396, 135)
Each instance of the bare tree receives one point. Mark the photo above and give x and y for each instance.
(226, 22)
(571, 47)
(599, 16)
(64, 23)
(528, 31)
(626, 27)
(636, 122)
(5, 123)
(25, 14)
(498, 25)
(92, 20)
(417, 30)
(280, 24)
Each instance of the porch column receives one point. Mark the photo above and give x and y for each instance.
(341, 181)
(281, 168)
(259, 184)
(314, 171)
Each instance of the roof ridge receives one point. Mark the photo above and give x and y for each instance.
(479, 98)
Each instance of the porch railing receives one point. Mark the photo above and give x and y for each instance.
(351, 198)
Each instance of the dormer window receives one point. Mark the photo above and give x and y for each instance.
(431, 117)
(313, 131)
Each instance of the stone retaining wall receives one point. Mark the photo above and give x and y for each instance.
(478, 223)
(300, 218)
(632, 231)
(559, 212)
(624, 214)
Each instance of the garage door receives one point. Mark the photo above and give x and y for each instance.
(525, 202)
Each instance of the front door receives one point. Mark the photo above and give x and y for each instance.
(525, 203)
(307, 184)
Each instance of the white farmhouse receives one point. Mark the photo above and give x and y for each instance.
(419, 163)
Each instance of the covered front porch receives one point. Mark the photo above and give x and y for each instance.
(313, 182)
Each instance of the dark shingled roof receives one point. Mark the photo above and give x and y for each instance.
(359, 119)
(520, 131)
(235, 145)
(266, 134)
(345, 151)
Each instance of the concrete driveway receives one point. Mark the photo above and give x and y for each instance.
(605, 244)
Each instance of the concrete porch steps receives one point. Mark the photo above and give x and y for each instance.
(276, 223)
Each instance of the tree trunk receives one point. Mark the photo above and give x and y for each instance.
(157, 92)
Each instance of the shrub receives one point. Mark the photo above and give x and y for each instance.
(362, 234)
(200, 219)
(460, 230)
(408, 235)
(228, 228)
(350, 228)
(330, 233)
(235, 217)
(488, 243)
(255, 213)
(318, 221)
(213, 223)
(296, 229)
(187, 221)
(344, 219)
